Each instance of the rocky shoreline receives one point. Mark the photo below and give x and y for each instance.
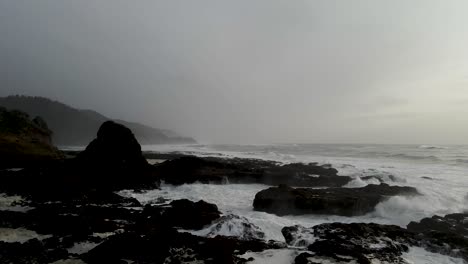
(70, 210)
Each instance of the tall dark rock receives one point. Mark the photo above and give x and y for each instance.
(114, 159)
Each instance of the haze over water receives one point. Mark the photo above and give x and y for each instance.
(268, 71)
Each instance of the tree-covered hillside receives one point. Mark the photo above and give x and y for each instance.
(76, 127)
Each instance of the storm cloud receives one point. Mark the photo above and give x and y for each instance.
(250, 71)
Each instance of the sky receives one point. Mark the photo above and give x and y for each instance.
(250, 71)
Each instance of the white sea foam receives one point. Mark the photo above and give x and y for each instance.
(238, 199)
(82, 247)
(281, 256)
(417, 255)
(21, 235)
(11, 203)
(69, 261)
(232, 226)
(444, 187)
(357, 183)
(437, 173)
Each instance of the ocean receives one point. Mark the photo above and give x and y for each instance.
(440, 173)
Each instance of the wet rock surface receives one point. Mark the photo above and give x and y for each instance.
(298, 236)
(70, 211)
(74, 213)
(111, 162)
(361, 242)
(189, 215)
(190, 169)
(447, 234)
(285, 200)
(236, 226)
(366, 243)
(117, 230)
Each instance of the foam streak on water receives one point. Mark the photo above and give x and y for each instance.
(440, 173)
(436, 171)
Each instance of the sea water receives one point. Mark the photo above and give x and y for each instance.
(440, 173)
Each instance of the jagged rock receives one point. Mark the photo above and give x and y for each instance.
(189, 215)
(363, 243)
(447, 235)
(285, 200)
(114, 160)
(304, 258)
(191, 169)
(451, 223)
(235, 226)
(374, 243)
(31, 251)
(170, 246)
(115, 146)
(298, 236)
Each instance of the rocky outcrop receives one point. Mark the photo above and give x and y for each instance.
(191, 169)
(114, 160)
(24, 141)
(357, 242)
(235, 226)
(298, 236)
(374, 243)
(285, 200)
(169, 246)
(114, 146)
(189, 215)
(114, 229)
(447, 234)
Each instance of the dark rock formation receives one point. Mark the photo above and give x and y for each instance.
(237, 226)
(298, 236)
(115, 146)
(169, 246)
(24, 142)
(359, 242)
(216, 170)
(114, 160)
(189, 215)
(32, 251)
(448, 234)
(120, 229)
(374, 243)
(284, 200)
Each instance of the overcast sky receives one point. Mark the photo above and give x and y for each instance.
(250, 71)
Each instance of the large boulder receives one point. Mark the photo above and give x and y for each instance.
(114, 147)
(114, 160)
(234, 226)
(285, 200)
(191, 169)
